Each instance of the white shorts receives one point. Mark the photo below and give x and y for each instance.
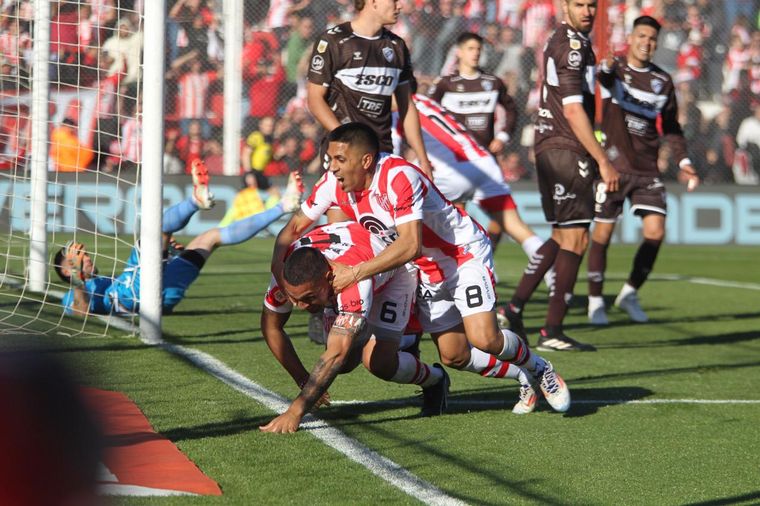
(388, 315)
(464, 180)
(463, 291)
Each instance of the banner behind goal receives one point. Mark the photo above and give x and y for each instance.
(71, 153)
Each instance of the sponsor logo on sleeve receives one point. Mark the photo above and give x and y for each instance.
(317, 63)
(574, 59)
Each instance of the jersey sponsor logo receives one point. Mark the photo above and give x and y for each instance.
(574, 59)
(636, 125)
(321, 46)
(470, 102)
(388, 54)
(373, 80)
(317, 63)
(561, 194)
(476, 122)
(371, 107)
(575, 44)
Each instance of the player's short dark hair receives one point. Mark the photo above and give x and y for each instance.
(467, 37)
(58, 262)
(356, 134)
(647, 21)
(305, 265)
(359, 5)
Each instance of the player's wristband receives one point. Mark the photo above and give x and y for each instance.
(503, 137)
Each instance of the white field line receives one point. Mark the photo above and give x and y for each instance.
(455, 402)
(696, 280)
(378, 465)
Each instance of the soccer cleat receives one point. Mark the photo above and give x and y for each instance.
(629, 302)
(561, 342)
(554, 388)
(204, 199)
(528, 400)
(291, 199)
(597, 314)
(316, 330)
(435, 398)
(510, 319)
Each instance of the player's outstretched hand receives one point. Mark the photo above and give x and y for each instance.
(286, 423)
(690, 177)
(427, 168)
(343, 276)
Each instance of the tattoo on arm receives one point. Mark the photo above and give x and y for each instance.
(325, 371)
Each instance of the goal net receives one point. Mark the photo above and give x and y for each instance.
(70, 124)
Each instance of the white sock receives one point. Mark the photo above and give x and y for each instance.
(626, 290)
(411, 370)
(531, 245)
(595, 301)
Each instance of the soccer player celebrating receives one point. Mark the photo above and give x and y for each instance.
(396, 201)
(363, 322)
(567, 154)
(636, 93)
(92, 293)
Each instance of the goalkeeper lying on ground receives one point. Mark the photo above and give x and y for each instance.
(92, 293)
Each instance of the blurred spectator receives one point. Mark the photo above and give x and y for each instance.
(746, 165)
(672, 37)
(265, 74)
(124, 50)
(285, 158)
(297, 48)
(190, 146)
(737, 60)
(257, 152)
(509, 55)
(67, 153)
(248, 201)
(191, 97)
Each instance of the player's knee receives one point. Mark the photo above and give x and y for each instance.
(456, 361)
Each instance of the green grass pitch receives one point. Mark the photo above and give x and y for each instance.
(703, 343)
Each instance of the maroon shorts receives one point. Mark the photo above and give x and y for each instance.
(566, 183)
(646, 193)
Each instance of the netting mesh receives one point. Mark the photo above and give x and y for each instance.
(93, 149)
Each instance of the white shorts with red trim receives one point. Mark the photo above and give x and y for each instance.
(476, 180)
(468, 290)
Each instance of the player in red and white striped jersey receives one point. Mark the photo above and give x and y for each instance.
(395, 200)
(363, 322)
(465, 170)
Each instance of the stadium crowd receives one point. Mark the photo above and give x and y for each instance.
(711, 48)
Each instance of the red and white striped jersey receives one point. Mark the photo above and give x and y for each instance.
(444, 135)
(191, 96)
(401, 193)
(348, 243)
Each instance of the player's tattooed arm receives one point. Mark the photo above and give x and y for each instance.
(345, 330)
(343, 334)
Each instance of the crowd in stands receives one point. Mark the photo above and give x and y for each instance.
(712, 49)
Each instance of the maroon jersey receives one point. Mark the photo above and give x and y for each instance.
(473, 101)
(633, 99)
(362, 74)
(568, 78)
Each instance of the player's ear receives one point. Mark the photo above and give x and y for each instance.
(367, 161)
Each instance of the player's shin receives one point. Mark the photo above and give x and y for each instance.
(242, 230)
(412, 370)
